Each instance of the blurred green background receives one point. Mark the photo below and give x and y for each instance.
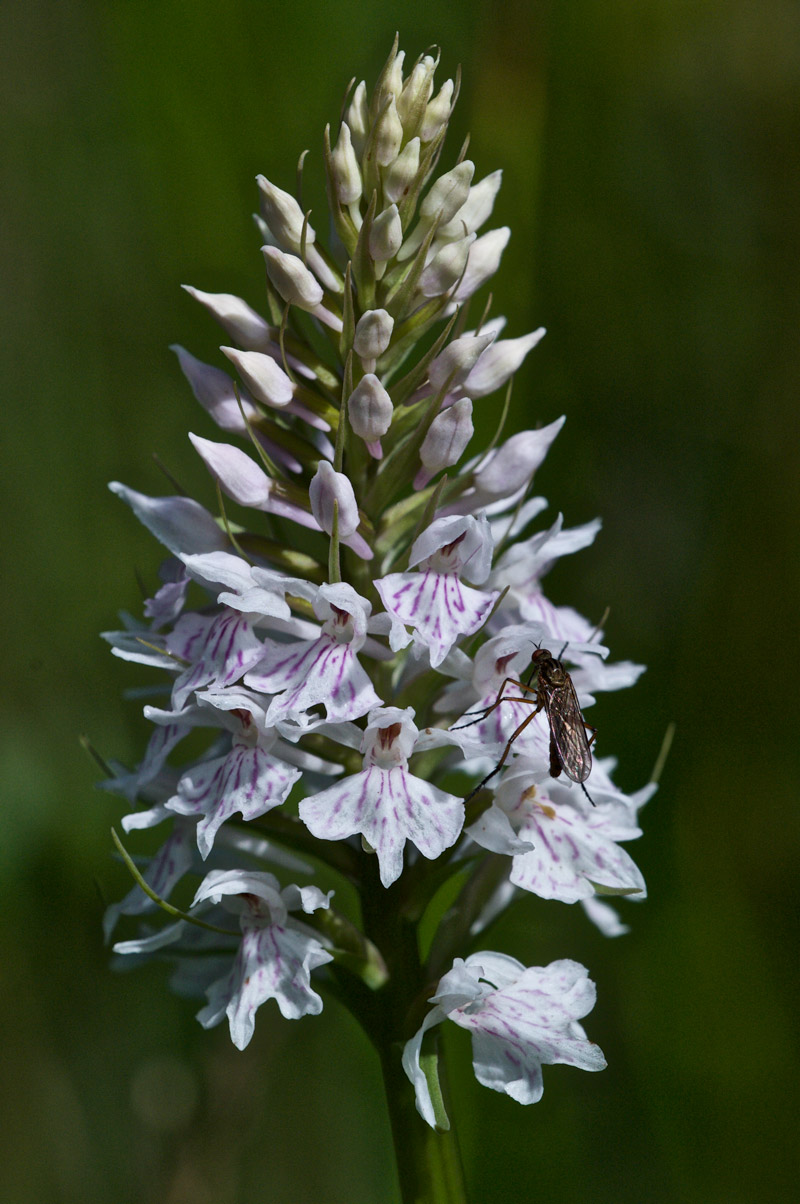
(650, 159)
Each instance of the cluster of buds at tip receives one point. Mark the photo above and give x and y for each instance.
(343, 625)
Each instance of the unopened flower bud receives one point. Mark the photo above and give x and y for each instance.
(448, 193)
(484, 260)
(416, 90)
(370, 409)
(446, 268)
(327, 487)
(394, 79)
(357, 118)
(454, 364)
(292, 279)
(344, 167)
(400, 175)
(447, 437)
(235, 316)
(373, 334)
(437, 111)
(388, 135)
(386, 235)
(283, 215)
(265, 379)
(476, 210)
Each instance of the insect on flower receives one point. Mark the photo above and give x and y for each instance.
(549, 688)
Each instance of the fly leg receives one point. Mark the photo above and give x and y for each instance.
(517, 732)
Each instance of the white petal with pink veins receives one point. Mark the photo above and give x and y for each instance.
(388, 807)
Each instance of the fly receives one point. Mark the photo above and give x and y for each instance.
(549, 688)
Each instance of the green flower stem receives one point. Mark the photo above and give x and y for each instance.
(428, 1161)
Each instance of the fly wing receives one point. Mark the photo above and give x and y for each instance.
(568, 732)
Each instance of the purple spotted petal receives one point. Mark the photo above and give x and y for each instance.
(247, 780)
(220, 650)
(520, 1019)
(388, 807)
(273, 962)
(438, 606)
(571, 852)
(314, 672)
(531, 1023)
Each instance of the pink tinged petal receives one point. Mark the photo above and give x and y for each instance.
(180, 523)
(387, 807)
(168, 602)
(245, 481)
(224, 568)
(321, 671)
(220, 650)
(166, 868)
(273, 962)
(247, 781)
(484, 260)
(266, 380)
(458, 360)
(528, 1024)
(493, 831)
(239, 476)
(456, 544)
(604, 917)
(511, 466)
(571, 854)
(500, 362)
(214, 389)
(235, 316)
(159, 746)
(438, 606)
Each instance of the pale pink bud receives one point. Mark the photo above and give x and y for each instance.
(447, 437)
(446, 268)
(266, 380)
(290, 276)
(386, 235)
(500, 362)
(373, 334)
(370, 409)
(400, 175)
(453, 365)
(344, 168)
(327, 487)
